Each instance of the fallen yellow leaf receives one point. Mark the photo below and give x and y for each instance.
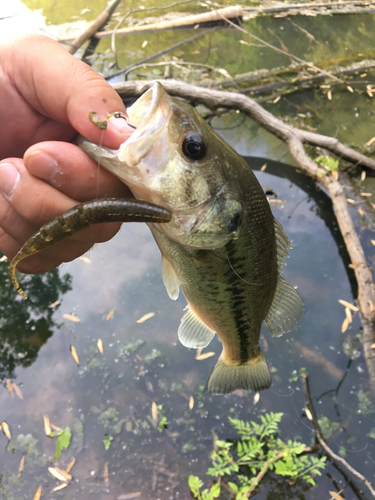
(373, 242)
(366, 194)
(110, 314)
(370, 141)
(60, 486)
(373, 346)
(74, 354)
(263, 168)
(17, 390)
(72, 318)
(47, 425)
(145, 317)
(6, 430)
(308, 414)
(154, 411)
(345, 325)
(348, 304)
(191, 403)
(363, 175)
(100, 346)
(199, 352)
(85, 259)
(20, 467)
(71, 465)
(144, 44)
(3, 258)
(54, 304)
(335, 495)
(355, 265)
(348, 314)
(59, 474)
(329, 95)
(38, 493)
(10, 387)
(256, 398)
(205, 356)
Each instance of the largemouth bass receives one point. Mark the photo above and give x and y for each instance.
(223, 246)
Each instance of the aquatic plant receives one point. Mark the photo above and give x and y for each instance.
(247, 460)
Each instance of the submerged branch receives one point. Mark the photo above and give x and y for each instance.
(335, 458)
(272, 9)
(181, 22)
(93, 28)
(295, 138)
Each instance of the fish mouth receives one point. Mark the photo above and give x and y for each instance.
(150, 114)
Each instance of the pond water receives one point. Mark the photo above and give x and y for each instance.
(107, 400)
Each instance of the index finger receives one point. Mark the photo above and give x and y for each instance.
(63, 88)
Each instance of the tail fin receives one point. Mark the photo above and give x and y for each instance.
(253, 375)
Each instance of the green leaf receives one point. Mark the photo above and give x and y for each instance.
(107, 442)
(195, 484)
(215, 490)
(63, 442)
(233, 486)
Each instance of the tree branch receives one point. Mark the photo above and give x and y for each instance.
(319, 435)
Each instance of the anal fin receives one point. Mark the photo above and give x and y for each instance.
(192, 332)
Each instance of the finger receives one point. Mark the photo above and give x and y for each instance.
(67, 168)
(21, 214)
(65, 89)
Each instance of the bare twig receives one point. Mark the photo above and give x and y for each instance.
(295, 138)
(93, 28)
(319, 435)
(325, 8)
(276, 49)
(183, 21)
(158, 54)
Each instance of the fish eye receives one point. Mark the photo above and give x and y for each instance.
(194, 148)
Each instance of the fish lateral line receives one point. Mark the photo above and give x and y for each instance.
(83, 216)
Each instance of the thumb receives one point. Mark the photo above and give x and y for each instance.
(63, 88)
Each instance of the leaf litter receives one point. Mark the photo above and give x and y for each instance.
(145, 317)
(71, 317)
(74, 354)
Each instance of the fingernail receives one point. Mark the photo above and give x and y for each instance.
(120, 127)
(9, 179)
(42, 165)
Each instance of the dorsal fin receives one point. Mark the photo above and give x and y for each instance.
(192, 332)
(170, 279)
(287, 306)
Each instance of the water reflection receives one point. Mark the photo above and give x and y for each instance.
(26, 325)
(109, 397)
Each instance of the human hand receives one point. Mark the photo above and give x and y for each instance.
(46, 95)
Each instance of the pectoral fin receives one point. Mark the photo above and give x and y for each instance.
(170, 279)
(193, 332)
